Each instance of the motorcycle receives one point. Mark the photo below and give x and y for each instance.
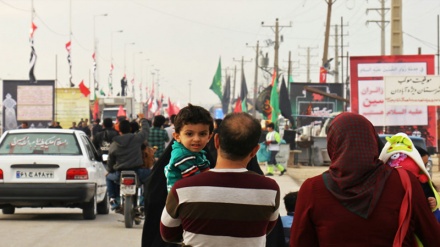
(130, 204)
(130, 189)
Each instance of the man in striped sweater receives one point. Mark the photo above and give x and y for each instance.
(228, 205)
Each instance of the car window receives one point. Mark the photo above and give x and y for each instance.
(40, 143)
(91, 151)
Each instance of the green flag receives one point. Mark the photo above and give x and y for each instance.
(243, 93)
(216, 85)
(275, 101)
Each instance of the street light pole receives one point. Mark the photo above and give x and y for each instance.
(110, 86)
(95, 52)
(134, 73)
(125, 56)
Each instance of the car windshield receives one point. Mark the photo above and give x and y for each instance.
(40, 143)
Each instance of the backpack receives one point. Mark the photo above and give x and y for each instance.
(105, 144)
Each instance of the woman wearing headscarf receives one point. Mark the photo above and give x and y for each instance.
(357, 201)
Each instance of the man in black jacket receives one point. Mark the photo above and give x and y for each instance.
(125, 154)
(103, 139)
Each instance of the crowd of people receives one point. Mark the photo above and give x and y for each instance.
(206, 188)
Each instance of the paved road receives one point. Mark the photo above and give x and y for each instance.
(65, 227)
(53, 227)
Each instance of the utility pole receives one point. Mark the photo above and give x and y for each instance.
(327, 30)
(396, 28)
(242, 61)
(382, 24)
(335, 71)
(289, 69)
(308, 60)
(257, 50)
(342, 49)
(277, 30)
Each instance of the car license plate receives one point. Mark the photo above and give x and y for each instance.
(34, 174)
(128, 189)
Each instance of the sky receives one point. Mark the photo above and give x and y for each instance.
(178, 43)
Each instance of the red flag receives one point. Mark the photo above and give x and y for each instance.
(121, 112)
(322, 75)
(84, 90)
(68, 44)
(274, 77)
(93, 56)
(173, 109)
(176, 109)
(33, 28)
(96, 109)
(237, 107)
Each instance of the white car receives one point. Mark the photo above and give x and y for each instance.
(51, 168)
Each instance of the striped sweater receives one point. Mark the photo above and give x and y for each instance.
(184, 163)
(221, 207)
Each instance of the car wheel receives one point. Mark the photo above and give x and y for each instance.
(8, 210)
(104, 206)
(90, 209)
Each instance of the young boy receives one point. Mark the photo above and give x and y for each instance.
(287, 220)
(273, 140)
(193, 128)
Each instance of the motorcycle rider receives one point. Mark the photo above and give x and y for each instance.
(102, 140)
(125, 154)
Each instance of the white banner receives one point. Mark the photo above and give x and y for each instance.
(412, 90)
(372, 105)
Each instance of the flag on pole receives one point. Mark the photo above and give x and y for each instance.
(96, 107)
(243, 93)
(110, 79)
(84, 89)
(285, 105)
(94, 73)
(173, 109)
(238, 105)
(275, 100)
(322, 75)
(69, 60)
(33, 58)
(226, 96)
(216, 85)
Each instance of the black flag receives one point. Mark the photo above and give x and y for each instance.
(33, 58)
(285, 106)
(226, 96)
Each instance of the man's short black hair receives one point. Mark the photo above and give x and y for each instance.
(421, 151)
(124, 126)
(193, 114)
(134, 126)
(172, 118)
(290, 201)
(158, 121)
(239, 133)
(108, 123)
(270, 125)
